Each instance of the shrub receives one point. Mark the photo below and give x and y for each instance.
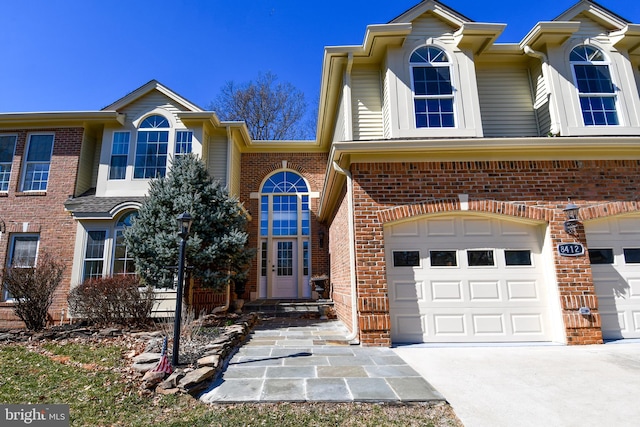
(32, 289)
(112, 300)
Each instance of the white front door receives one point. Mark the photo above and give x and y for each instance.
(284, 269)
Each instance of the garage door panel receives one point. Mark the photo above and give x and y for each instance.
(484, 291)
(406, 291)
(489, 324)
(441, 227)
(446, 291)
(449, 325)
(527, 324)
(520, 290)
(409, 328)
(634, 289)
(477, 227)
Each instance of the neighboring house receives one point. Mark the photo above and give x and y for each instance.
(434, 195)
(451, 160)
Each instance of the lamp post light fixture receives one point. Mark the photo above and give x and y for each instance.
(184, 225)
(571, 212)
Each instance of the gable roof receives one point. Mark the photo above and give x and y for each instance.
(438, 9)
(147, 88)
(595, 11)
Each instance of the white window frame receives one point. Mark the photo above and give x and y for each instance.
(28, 163)
(187, 144)
(613, 95)
(103, 258)
(12, 248)
(144, 168)
(426, 97)
(5, 167)
(124, 154)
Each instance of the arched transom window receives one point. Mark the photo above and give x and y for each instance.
(432, 88)
(284, 200)
(595, 88)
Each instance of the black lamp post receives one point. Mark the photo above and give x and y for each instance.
(184, 224)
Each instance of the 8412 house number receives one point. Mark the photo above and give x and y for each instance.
(571, 249)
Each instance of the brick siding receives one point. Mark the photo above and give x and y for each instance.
(43, 212)
(385, 192)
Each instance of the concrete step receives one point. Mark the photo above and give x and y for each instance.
(288, 307)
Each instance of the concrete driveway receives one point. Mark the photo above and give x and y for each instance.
(492, 386)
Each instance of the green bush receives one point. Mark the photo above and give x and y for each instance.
(112, 300)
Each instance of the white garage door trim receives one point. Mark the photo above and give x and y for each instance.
(613, 248)
(455, 301)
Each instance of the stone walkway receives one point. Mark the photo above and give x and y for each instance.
(297, 360)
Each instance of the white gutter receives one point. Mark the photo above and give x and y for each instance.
(555, 125)
(352, 254)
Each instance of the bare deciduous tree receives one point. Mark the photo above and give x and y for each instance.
(32, 289)
(271, 110)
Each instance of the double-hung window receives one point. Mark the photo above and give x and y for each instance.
(183, 142)
(7, 150)
(38, 162)
(432, 88)
(94, 254)
(23, 252)
(596, 90)
(152, 147)
(119, 155)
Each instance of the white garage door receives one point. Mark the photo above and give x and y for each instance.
(614, 250)
(466, 279)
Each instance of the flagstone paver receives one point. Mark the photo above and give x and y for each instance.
(294, 360)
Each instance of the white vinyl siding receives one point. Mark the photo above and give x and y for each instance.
(429, 26)
(366, 98)
(89, 161)
(152, 101)
(217, 158)
(506, 104)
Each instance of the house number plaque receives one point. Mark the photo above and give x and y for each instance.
(571, 249)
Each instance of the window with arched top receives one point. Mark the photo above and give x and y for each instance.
(152, 145)
(596, 90)
(432, 88)
(285, 198)
(122, 261)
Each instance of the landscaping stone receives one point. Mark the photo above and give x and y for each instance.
(147, 358)
(144, 367)
(152, 379)
(197, 376)
(212, 360)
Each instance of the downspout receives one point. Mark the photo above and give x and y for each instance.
(555, 125)
(352, 337)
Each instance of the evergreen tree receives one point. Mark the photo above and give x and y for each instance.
(216, 249)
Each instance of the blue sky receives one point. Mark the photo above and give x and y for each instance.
(59, 55)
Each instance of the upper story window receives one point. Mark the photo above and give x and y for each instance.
(183, 142)
(119, 155)
(432, 88)
(37, 162)
(7, 150)
(595, 88)
(152, 147)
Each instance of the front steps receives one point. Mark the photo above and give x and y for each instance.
(305, 308)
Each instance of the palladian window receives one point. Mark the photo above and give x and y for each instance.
(432, 88)
(595, 88)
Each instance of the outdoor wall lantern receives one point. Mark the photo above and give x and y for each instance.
(571, 223)
(184, 225)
